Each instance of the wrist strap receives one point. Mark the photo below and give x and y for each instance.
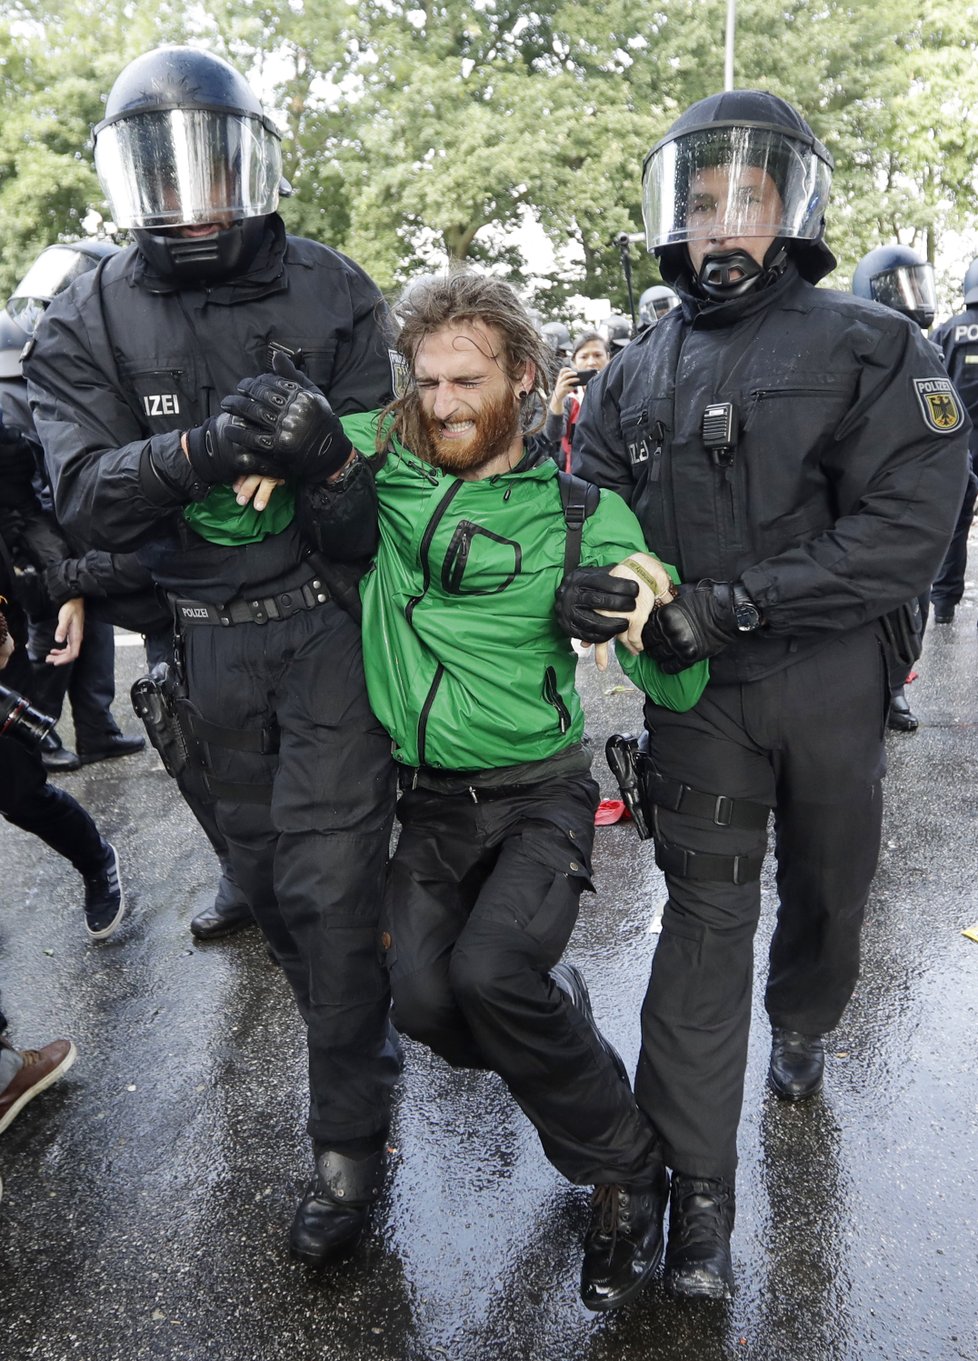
(643, 575)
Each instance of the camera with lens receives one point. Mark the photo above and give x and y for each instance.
(19, 718)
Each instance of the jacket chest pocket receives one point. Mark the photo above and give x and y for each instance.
(478, 562)
(166, 397)
(316, 359)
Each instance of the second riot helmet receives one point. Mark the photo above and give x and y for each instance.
(900, 279)
(185, 143)
(50, 274)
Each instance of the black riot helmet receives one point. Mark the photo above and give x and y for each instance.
(971, 284)
(12, 341)
(900, 279)
(615, 331)
(558, 337)
(185, 143)
(655, 302)
(701, 182)
(50, 274)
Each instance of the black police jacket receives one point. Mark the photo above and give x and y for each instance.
(835, 500)
(957, 339)
(124, 361)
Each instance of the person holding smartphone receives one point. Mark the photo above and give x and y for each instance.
(588, 357)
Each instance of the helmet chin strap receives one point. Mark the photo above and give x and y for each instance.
(732, 273)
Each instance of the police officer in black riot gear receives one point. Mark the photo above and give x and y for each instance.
(116, 588)
(957, 339)
(898, 277)
(774, 466)
(127, 377)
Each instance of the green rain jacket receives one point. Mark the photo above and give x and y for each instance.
(466, 667)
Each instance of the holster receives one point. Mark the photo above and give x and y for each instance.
(154, 700)
(625, 759)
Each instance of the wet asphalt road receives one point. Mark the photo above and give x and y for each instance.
(147, 1196)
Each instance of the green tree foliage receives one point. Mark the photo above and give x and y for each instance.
(416, 132)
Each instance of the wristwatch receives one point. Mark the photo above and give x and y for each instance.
(746, 613)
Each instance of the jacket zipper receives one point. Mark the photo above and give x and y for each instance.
(552, 695)
(426, 539)
(425, 711)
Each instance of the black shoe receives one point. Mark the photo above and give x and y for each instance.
(334, 1210)
(899, 718)
(623, 1243)
(228, 913)
(797, 1064)
(105, 902)
(943, 614)
(571, 983)
(108, 747)
(55, 756)
(701, 1219)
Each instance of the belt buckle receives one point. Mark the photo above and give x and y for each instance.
(723, 810)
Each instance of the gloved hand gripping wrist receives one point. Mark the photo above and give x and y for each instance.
(698, 624)
(585, 591)
(288, 423)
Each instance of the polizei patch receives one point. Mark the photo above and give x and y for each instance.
(939, 403)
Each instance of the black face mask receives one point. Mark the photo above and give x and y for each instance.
(728, 274)
(203, 260)
(732, 273)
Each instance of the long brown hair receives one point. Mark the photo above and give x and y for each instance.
(463, 295)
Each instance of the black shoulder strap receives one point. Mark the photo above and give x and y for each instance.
(579, 499)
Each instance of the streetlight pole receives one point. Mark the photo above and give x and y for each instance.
(728, 51)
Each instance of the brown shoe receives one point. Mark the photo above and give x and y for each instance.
(41, 1067)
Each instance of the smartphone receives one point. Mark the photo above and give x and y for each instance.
(584, 376)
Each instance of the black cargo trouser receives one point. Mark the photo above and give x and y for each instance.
(482, 897)
(311, 858)
(809, 742)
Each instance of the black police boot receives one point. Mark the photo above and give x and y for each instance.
(623, 1243)
(334, 1210)
(797, 1064)
(701, 1219)
(55, 756)
(943, 613)
(571, 983)
(228, 913)
(900, 718)
(108, 747)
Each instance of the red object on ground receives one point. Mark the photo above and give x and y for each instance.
(609, 811)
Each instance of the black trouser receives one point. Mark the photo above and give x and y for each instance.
(808, 742)
(948, 587)
(481, 900)
(311, 859)
(88, 682)
(31, 803)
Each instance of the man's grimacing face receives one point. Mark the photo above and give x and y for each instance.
(469, 405)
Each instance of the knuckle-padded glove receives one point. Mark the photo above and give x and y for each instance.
(222, 449)
(283, 416)
(699, 623)
(586, 590)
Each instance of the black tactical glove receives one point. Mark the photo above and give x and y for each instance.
(288, 420)
(223, 448)
(699, 623)
(587, 589)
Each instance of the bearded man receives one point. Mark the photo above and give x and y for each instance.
(468, 670)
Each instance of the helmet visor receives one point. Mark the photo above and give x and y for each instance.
(906, 288)
(178, 167)
(728, 182)
(52, 271)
